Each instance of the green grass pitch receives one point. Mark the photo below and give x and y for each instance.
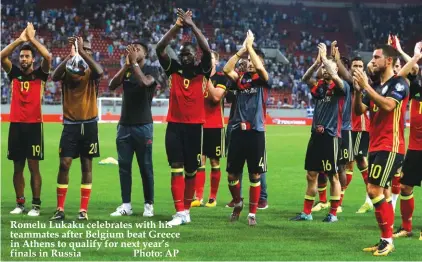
(210, 236)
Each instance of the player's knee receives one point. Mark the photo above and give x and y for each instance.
(176, 165)
(65, 165)
(232, 177)
(374, 190)
(255, 177)
(406, 190)
(190, 174)
(312, 176)
(215, 163)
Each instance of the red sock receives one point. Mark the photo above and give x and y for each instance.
(343, 189)
(307, 205)
(365, 175)
(385, 217)
(85, 196)
(20, 200)
(395, 185)
(234, 187)
(200, 183)
(61, 196)
(254, 192)
(349, 176)
(189, 189)
(177, 190)
(407, 206)
(334, 205)
(215, 181)
(322, 187)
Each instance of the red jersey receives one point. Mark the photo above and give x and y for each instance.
(387, 128)
(214, 114)
(415, 137)
(186, 93)
(27, 93)
(360, 123)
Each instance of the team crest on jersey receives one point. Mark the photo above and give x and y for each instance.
(384, 90)
(400, 87)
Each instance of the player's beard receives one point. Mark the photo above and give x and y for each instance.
(26, 66)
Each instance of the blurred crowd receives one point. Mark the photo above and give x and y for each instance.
(224, 23)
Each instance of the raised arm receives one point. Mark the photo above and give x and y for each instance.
(8, 50)
(215, 94)
(94, 66)
(160, 49)
(410, 65)
(255, 60)
(329, 67)
(186, 19)
(415, 69)
(307, 77)
(342, 70)
(142, 79)
(46, 62)
(117, 80)
(60, 70)
(358, 106)
(229, 67)
(384, 103)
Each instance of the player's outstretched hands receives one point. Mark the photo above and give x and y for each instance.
(184, 17)
(72, 50)
(131, 54)
(418, 50)
(30, 31)
(396, 40)
(360, 79)
(23, 37)
(335, 54)
(322, 48)
(250, 38)
(77, 40)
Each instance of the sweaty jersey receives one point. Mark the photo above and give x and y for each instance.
(415, 137)
(328, 112)
(387, 128)
(251, 97)
(347, 108)
(214, 117)
(80, 98)
(186, 93)
(27, 93)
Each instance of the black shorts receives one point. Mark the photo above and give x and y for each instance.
(80, 140)
(322, 153)
(184, 144)
(213, 143)
(383, 165)
(26, 141)
(346, 148)
(412, 168)
(249, 146)
(360, 143)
